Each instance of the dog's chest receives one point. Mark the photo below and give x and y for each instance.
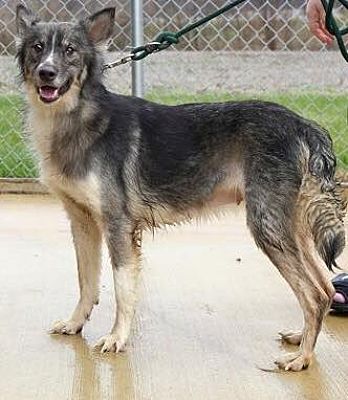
(85, 190)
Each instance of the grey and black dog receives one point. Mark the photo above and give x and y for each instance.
(122, 164)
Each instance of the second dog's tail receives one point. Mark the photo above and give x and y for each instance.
(324, 202)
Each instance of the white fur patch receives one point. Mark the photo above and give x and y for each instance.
(49, 60)
(84, 191)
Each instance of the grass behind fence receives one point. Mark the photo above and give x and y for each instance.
(15, 158)
(329, 110)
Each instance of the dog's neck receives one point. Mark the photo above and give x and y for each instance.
(62, 133)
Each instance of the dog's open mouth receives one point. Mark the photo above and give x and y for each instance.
(49, 94)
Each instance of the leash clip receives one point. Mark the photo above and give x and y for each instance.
(121, 61)
(144, 50)
(152, 47)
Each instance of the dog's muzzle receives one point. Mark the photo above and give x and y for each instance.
(48, 91)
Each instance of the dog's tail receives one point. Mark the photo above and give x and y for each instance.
(323, 202)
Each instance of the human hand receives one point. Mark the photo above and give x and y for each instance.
(316, 21)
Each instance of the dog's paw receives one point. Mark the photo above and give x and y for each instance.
(291, 337)
(293, 362)
(70, 327)
(112, 343)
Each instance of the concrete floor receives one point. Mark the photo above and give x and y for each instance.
(205, 325)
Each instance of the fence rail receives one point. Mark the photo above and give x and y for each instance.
(261, 49)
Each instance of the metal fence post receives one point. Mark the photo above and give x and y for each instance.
(137, 40)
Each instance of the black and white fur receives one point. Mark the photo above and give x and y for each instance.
(122, 164)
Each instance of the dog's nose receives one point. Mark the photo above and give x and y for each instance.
(47, 73)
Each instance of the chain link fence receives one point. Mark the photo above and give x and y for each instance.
(261, 49)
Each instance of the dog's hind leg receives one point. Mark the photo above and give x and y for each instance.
(314, 302)
(124, 243)
(87, 242)
(271, 218)
(315, 266)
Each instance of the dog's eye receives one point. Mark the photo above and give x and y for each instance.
(38, 47)
(70, 50)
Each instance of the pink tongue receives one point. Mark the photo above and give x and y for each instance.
(48, 93)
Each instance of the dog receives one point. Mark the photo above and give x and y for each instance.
(121, 165)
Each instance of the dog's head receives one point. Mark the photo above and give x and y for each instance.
(56, 58)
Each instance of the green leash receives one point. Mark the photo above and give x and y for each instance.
(333, 27)
(166, 39)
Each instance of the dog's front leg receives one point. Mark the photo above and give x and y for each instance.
(124, 243)
(87, 241)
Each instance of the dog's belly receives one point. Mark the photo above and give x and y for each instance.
(230, 190)
(224, 196)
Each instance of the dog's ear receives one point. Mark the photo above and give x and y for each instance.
(100, 26)
(24, 19)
